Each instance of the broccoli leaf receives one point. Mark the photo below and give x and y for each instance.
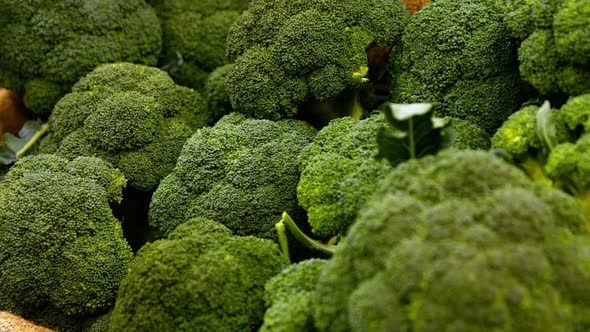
(546, 129)
(15, 147)
(414, 133)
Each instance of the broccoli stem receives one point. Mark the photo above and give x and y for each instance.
(32, 141)
(288, 223)
(280, 227)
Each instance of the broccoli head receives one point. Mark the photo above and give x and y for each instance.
(287, 53)
(242, 173)
(289, 297)
(461, 241)
(194, 36)
(61, 248)
(554, 51)
(459, 54)
(130, 115)
(216, 92)
(200, 278)
(49, 45)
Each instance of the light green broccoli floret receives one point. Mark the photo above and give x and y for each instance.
(61, 248)
(49, 45)
(339, 171)
(194, 36)
(289, 53)
(133, 116)
(200, 278)
(242, 173)
(459, 54)
(289, 297)
(458, 241)
(553, 55)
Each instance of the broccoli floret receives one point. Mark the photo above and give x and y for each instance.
(288, 53)
(216, 92)
(61, 248)
(468, 136)
(201, 278)
(130, 115)
(459, 54)
(554, 51)
(339, 171)
(49, 45)
(455, 200)
(289, 297)
(195, 34)
(242, 173)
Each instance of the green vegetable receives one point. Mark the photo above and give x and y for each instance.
(459, 55)
(242, 173)
(48, 45)
(133, 116)
(16, 147)
(61, 248)
(200, 278)
(459, 241)
(290, 54)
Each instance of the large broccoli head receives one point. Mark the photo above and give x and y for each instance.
(61, 248)
(195, 34)
(201, 278)
(555, 45)
(459, 54)
(461, 241)
(289, 52)
(50, 44)
(289, 297)
(130, 115)
(242, 173)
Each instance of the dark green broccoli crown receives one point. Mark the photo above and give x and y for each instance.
(195, 34)
(554, 52)
(458, 202)
(242, 173)
(339, 171)
(459, 54)
(201, 278)
(287, 52)
(61, 41)
(469, 136)
(130, 115)
(289, 297)
(60, 245)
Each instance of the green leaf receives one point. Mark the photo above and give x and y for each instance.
(414, 133)
(27, 142)
(546, 129)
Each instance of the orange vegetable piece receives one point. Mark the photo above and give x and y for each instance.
(12, 112)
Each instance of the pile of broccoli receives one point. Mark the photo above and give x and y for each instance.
(296, 165)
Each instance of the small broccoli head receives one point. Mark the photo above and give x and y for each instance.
(468, 136)
(288, 53)
(50, 45)
(339, 171)
(459, 54)
(553, 55)
(289, 297)
(194, 35)
(200, 278)
(130, 115)
(61, 248)
(242, 173)
(218, 102)
(451, 200)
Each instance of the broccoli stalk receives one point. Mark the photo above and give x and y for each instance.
(286, 223)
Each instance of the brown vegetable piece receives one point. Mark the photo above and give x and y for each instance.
(12, 112)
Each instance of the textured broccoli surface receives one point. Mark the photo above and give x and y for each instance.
(461, 241)
(61, 248)
(201, 278)
(194, 36)
(290, 52)
(554, 51)
(289, 297)
(469, 136)
(459, 54)
(49, 45)
(216, 92)
(131, 115)
(339, 171)
(242, 173)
